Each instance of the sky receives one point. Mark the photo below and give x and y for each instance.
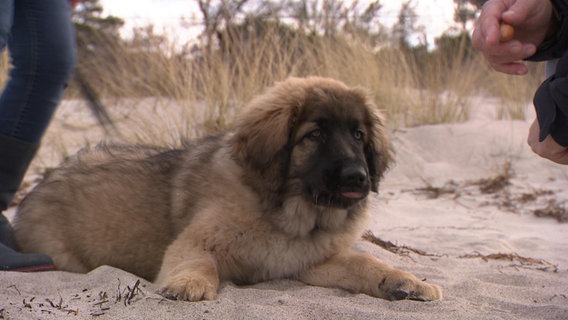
(165, 15)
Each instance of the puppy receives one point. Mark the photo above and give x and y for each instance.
(282, 195)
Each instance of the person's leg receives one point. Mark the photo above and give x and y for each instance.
(42, 50)
(6, 19)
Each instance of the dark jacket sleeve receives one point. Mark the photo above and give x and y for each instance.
(551, 104)
(551, 98)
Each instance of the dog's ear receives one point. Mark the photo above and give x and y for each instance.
(378, 151)
(262, 139)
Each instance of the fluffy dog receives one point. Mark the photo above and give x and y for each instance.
(282, 195)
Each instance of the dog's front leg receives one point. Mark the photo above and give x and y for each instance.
(364, 273)
(188, 273)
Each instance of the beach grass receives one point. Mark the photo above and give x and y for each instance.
(213, 83)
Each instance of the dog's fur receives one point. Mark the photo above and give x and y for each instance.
(283, 195)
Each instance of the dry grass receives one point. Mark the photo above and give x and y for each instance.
(553, 210)
(515, 93)
(411, 92)
(3, 68)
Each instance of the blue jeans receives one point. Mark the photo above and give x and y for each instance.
(41, 44)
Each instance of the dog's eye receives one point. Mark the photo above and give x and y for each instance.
(315, 134)
(358, 134)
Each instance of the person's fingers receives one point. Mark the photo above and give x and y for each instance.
(487, 27)
(534, 132)
(486, 31)
(503, 56)
(530, 18)
(549, 148)
(517, 13)
(515, 68)
(507, 57)
(560, 157)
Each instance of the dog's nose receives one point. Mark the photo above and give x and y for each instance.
(353, 176)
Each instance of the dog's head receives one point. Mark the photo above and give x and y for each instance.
(315, 137)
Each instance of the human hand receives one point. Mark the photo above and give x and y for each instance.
(531, 20)
(548, 148)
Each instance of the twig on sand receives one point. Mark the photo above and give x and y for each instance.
(16, 288)
(394, 248)
(517, 261)
(128, 294)
(61, 307)
(553, 210)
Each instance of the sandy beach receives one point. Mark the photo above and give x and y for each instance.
(467, 206)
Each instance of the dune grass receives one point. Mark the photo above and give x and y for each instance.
(215, 84)
(514, 92)
(4, 67)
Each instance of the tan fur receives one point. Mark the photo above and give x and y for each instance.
(230, 207)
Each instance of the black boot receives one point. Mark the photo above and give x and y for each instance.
(6, 233)
(11, 260)
(15, 158)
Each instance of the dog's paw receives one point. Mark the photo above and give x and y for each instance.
(406, 286)
(189, 288)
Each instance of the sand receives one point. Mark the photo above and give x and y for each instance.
(468, 207)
